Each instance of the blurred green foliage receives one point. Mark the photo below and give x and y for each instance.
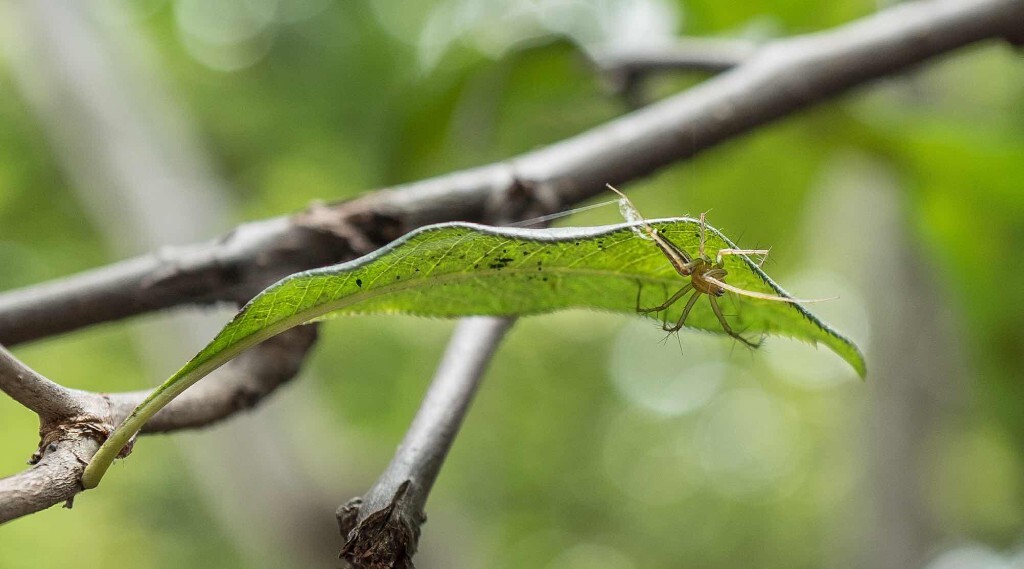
(559, 465)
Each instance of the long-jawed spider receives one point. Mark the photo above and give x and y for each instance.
(707, 276)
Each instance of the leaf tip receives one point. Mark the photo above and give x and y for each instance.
(856, 359)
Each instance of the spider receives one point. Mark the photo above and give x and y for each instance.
(707, 276)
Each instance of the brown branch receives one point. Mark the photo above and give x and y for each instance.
(52, 480)
(240, 385)
(72, 424)
(229, 269)
(72, 433)
(382, 528)
(712, 55)
(625, 69)
(783, 77)
(47, 399)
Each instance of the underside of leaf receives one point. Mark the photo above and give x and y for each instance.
(462, 269)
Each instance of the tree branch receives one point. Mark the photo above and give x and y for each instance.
(47, 399)
(382, 529)
(712, 55)
(783, 77)
(52, 480)
(624, 69)
(72, 424)
(81, 420)
(240, 385)
(229, 269)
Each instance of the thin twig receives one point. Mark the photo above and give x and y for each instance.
(625, 69)
(26, 386)
(712, 55)
(783, 77)
(382, 529)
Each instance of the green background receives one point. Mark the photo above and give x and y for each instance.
(593, 443)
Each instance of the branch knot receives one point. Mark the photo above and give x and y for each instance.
(74, 429)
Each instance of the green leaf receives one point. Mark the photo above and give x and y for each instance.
(462, 269)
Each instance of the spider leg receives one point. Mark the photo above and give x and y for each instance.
(679, 259)
(762, 252)
(686, 312)
(725, 324)
(671, 300)
(713, 279)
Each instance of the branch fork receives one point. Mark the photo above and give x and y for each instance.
(94, 427)
(785, 77)
(74, 423)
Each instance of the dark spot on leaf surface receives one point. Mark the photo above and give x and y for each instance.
(359, 283)
(500, 263)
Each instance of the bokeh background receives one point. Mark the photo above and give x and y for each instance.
(126, 126)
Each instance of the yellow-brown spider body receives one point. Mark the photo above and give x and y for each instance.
(702, 269)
